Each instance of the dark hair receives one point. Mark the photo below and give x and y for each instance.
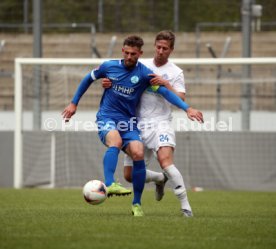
(166, 35)
(134, 41)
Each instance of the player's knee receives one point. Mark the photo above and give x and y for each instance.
(135, 150)
(165, 156)
(116, 143)
(164, 159)
(137, 155)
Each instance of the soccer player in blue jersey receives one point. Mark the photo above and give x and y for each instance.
(117, 126)
(154, 114)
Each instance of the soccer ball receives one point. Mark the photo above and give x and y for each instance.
(94, 192)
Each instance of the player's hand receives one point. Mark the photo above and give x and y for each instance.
(69, 111)
(195, 114)
(157, 80)
(106, 83)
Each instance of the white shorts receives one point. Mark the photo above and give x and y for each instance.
(154, 136)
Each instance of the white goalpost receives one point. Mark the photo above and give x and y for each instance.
(39, 149)
(18, 105)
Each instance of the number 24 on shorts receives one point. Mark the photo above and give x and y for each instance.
(163, 138)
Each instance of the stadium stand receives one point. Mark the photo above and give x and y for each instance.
(78, 45)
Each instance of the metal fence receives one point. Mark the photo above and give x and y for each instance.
(145, 15)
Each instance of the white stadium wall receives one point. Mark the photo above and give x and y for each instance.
(210, 160)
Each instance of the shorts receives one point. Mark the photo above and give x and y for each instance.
(105, 125)
(154, 136)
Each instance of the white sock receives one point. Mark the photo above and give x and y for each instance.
(178, 186)
(153, 176)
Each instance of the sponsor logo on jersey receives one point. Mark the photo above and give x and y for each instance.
(134, 79)
(123, 89)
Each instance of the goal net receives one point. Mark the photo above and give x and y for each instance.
(237, 97)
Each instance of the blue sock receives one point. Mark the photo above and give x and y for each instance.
(110, 161)
(138, 180)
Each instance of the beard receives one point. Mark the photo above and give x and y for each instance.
(130, 63)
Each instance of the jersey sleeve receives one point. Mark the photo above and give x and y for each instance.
(95, 74)
(83, 86)
(99, 72)
(172, 98)
(147, 71)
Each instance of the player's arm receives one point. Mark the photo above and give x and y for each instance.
(170, 96)
(71, 109)
(158, 80)
(195, 114)
(97, 73)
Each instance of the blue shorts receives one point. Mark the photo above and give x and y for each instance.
(127, 134)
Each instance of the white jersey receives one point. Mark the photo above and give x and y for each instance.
(152, 105)
(154, 112)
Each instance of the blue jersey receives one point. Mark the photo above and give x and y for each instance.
(120, 101)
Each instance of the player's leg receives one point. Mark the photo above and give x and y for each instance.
(112, 139)
(150, 139)
(165, 158)
(128, 164)
(161, 134)
(151, 176)
(135, 150)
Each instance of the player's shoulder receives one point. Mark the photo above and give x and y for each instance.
(147, 62)
(173, 66)
(108, 64)
(112, 62)
(143, 66)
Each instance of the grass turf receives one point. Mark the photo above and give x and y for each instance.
(60, 218)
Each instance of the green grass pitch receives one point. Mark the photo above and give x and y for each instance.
(60, 218)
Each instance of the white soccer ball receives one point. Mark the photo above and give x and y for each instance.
(94, 192)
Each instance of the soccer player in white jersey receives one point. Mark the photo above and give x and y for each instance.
(155, 117)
